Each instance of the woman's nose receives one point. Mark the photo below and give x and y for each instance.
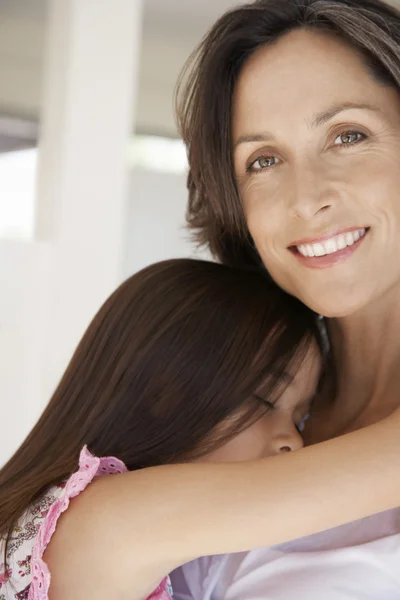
(312, 193)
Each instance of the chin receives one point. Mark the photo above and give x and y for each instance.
(331, 296)
(334, 305)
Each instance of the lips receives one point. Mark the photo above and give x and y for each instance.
(329, 250)
(332, 244)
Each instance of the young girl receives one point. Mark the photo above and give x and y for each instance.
(187, 362)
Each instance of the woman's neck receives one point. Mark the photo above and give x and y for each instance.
(366, 349)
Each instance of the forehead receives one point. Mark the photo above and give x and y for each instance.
(299, 382)
(308, 370)
(305, 380)
(299, 74)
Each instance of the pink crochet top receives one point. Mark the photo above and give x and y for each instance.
(28, 577)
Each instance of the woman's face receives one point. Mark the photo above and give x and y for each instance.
(277, 430)
(317, 160)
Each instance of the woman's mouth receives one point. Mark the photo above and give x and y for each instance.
(327, 251)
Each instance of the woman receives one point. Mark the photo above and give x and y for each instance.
(291, 115)
(183, 364)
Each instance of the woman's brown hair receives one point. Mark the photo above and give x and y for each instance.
(204, 99)
(178, 348)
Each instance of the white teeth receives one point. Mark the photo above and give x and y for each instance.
(341, 242)
(332, 245)
(319, 249)
(310, 250)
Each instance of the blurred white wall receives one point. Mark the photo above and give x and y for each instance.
(24, 276)
(156, 220)
(155, 231)
(40, 313)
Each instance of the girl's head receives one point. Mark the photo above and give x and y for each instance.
(184, 356)
(291, 115)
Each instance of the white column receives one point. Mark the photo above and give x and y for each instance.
(90, 86)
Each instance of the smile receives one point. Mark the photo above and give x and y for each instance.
(329, 250)
(331, 245)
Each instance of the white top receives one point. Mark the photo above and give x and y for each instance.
(358, 561)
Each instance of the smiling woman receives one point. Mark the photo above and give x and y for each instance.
(321, 174)
(291, 116)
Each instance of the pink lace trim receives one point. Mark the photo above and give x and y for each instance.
(161, 593)
(89, 467)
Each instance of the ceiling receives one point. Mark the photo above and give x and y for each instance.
(172, 13)
(195, 16)
(171, 29)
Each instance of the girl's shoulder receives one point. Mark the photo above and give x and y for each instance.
(27, 576)
(16, 580)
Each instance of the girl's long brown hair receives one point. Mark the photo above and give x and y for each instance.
(178, 348)
(207, 84)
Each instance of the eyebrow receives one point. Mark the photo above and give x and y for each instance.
(317, 120)
(325, 115)
(260, 393)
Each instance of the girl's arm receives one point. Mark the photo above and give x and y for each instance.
(125, 533)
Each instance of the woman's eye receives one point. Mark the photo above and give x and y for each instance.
(349, 138)
(262, 163)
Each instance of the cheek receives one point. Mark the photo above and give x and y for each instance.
(261, 193)
(250, 444)
(373, 178)
(268, 227)
(381, 197)
(264, 209)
